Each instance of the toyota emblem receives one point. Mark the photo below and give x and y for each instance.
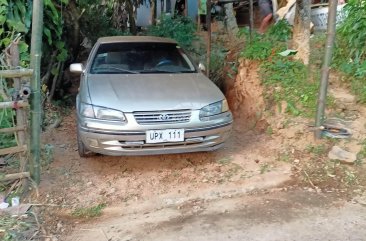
(164, 117)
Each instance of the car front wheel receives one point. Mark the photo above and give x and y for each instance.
(83, 151)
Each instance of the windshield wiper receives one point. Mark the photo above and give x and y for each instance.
(159, 71)
(115, 68)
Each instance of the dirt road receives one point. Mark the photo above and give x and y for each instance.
(292, 215)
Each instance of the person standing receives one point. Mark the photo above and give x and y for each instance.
(266, 12)
(180, 7)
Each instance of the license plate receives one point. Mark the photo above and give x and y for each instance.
(168, 135)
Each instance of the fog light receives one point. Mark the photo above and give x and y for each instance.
(92, 142)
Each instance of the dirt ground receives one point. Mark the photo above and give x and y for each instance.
(263, 185)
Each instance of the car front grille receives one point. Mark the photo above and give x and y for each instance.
(162, 117)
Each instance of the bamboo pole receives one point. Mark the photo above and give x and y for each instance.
(16, 73)
(10, 177)
(36, 51)
(331, 32)
(208, 23)
(14, 104)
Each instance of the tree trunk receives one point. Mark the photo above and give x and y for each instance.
(153, 11)
(231, 25)
(131, 17)
(301, 34)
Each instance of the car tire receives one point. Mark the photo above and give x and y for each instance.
(83, 151)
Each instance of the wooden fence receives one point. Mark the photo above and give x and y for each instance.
(18, 102)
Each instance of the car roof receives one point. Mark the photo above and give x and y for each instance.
(135, 39)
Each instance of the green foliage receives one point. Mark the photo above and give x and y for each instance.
(281, 31)
(352, 31)
(6, 121)
(293, 86)
(180, 28)
(350, 51)
(257, 50)
(262, 46)
(96, 20)
(15, 18)
(90, 212)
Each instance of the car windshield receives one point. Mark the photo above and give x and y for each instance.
(140, 58)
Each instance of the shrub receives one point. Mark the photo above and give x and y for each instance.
(180, 28)
(350, 51)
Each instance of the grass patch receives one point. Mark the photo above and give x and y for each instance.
(318, 150)
(89, 212)
(264, 167)
(224, 161)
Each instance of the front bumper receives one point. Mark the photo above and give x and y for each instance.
(125, 140)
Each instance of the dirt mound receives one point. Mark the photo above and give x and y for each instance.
(245, 97)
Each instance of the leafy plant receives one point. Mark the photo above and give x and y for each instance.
(350, 51)
(281, 31)
(89, 212)
(257, 50)
(180, 28)
(295, 88)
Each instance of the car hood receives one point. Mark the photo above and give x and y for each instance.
(151, 92)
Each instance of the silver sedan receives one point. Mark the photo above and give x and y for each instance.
(143, 96)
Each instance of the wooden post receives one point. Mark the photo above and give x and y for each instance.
(208, 23)
(20, 112)
(186, 8)
(251, 22)
(198, 16)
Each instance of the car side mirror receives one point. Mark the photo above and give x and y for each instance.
(202, 67)
(76, 68)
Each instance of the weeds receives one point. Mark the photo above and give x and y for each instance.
(89, 212)
(284, 157)
(264, 167)
(224, 161)
(361, 155)
(350, 178)
(318, 150)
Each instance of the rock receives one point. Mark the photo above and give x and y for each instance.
(88, 184)
(59, 226)
(112, 190)
(296, 161)
(338, 153)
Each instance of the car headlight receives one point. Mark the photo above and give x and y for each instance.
(214, 109)
(101, 113)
